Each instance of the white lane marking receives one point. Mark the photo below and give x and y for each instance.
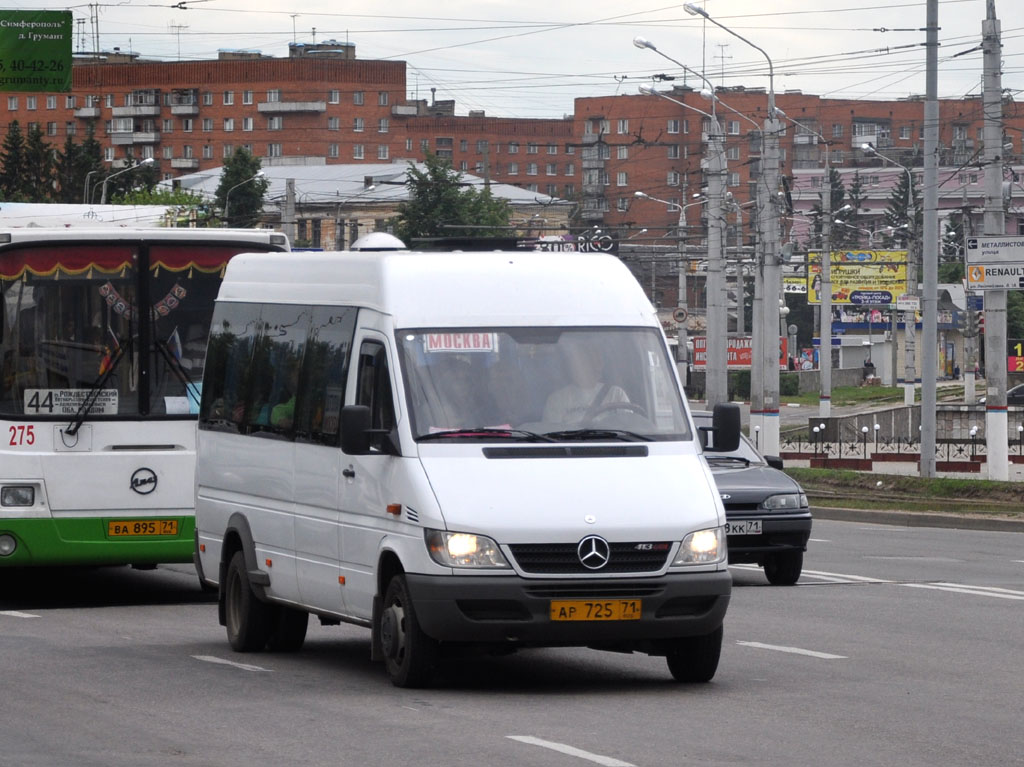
(819, 540)
(17, 614)
(571, 751)
(243, 666)
(961, 588)
(843, 577)
(793, 650)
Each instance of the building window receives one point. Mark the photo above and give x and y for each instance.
(959, 132)
(186, 151)
(673, 126)
(358, 124)
(274, 96)
(837, 130)
(382, 98)
(333, 123)
(334, 97)
(382, 151)
(622, 152)
(552, 148)
(332, 150)
(70, 102)
(837, 156)
(168, 152)
(51, 129)
(229, 124)
(673, 151)
(673, 178)
(108, 153)
(622, 127)
(531, 148)
(168, 125)
(247, 97)
(383, 125)
(531, 169)
(207, 124)
(463, 166)
(570, 190)
(273, 150)
(424, 145)
(12, 103)
(358, 98)
(229, 98)
(463, 145)
(108, 100)
(51, 102)
(905, 132)
(247, 123)
(30, 102)
(734, 179)
(732, 153)
(275, 123)
(570, 169)
(513, 169)
(623, 204)
(207, 151)
(551, 169)
(481, 146)
(570, 149)
(513, 147)
(70, 129)
(186, 124)
(622, 178)
(357, 151)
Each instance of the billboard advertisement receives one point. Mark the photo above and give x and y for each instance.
(861, 277)
(738, 355)
(35, 51)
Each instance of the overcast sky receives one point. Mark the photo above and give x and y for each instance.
(525, 58)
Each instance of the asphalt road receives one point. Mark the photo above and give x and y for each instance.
(898, 646)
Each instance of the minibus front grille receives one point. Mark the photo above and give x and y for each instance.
(564, 559)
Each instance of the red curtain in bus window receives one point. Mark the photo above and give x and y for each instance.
(70, 259)
(203, 258)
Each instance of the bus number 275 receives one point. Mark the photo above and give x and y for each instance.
(22, 435)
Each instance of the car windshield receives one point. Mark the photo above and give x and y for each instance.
(594, 384)
(745, 451)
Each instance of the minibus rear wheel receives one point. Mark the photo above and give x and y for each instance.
(409, 654)
(289, 630)
(695, 659)
(249, 621)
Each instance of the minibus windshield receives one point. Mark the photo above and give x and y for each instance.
(578, 383)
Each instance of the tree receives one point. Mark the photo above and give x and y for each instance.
(12, 165)
(39, 182)
(903, 213)
(438, 197)
(143, 177)
(840, 234)
(244, 207)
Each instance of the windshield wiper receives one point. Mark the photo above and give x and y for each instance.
(486, 431)
(597, 434)
(93, 394)
(191, 387)
(718, 457)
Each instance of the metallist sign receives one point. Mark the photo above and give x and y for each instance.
(1005, 249)
(35, 50)
(862, 277)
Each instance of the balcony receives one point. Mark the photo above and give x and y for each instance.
(185, 163)
(134, 137)
(185, 110)
(87, 113)
(139, 110)
(290, 107)
(805, 138)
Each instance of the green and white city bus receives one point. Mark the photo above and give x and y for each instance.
(102, 342)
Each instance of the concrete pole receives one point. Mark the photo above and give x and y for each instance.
(717, 381)
(825, 297)
(930, 242)
(772, 288)
(996, 430)
(288, 215)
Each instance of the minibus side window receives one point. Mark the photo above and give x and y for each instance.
(274, 390)
(225, 380)
(374, 386)
(324, 372)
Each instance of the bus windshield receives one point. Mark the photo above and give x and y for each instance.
(541, 383)
(87, 322)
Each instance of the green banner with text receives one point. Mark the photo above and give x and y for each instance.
(35, 50)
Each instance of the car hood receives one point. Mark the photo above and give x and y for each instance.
(661, 496)
(751, 484)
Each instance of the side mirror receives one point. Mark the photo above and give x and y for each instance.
(774, 461)
(725, 425)
(355, 429)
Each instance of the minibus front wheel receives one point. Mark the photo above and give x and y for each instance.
(248, 620)
(409, 654)
(695, 659)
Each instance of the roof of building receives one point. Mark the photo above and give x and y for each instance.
(336, 183)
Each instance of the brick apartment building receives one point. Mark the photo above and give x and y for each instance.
(322, 104)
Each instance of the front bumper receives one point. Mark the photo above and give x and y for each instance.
(514, 611)
(779, 533)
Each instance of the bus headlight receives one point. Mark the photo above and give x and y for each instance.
(703, 547)
(464, 550)
(18, 495)
(7, 545)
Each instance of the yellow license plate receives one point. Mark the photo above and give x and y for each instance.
(122, 527)
(595, 609)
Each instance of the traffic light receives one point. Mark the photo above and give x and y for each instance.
(981, 322)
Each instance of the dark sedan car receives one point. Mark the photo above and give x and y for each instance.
(767, 516)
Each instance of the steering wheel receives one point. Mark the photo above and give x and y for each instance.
(610, 406)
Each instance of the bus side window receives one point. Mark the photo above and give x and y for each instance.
(374, 386)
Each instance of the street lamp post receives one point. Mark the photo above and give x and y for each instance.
(764, 401)
(714, 165)
(909, 322)
(227, 195)
(86, 197)
(681, 297)
(103, 192)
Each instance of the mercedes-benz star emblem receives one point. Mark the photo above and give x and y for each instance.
(594, 552)
(143, 481)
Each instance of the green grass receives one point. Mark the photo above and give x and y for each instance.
(851, 395)
(857, 490)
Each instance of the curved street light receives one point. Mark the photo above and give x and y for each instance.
(227, 195)
(103, 193)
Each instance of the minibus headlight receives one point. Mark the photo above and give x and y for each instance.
(785, 502)
(464, 550)
(18, 495)
(703, 547)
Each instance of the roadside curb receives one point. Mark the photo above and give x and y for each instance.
(919, 519)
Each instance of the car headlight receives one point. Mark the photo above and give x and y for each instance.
(785, 502)
(703, 547)
(464, 550)
(18, 495)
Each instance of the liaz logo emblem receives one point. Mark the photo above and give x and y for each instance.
(143, 481)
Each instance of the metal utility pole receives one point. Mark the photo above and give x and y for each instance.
(930, 242)
(995, 225)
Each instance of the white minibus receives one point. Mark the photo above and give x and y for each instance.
(455, 451)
